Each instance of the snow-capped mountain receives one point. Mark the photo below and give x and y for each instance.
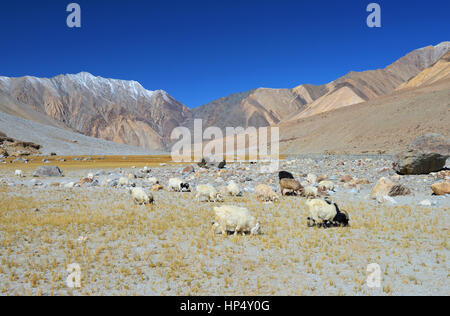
(116, 110)
(125, 112)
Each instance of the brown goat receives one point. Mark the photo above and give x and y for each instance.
(291, 185)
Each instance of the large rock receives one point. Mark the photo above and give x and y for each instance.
(399, 190)
(426, 154)
(382, 188)
(386, 187)
(211, 163)
(47, 171)
(442, 188)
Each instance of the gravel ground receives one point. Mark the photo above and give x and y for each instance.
(169, 248)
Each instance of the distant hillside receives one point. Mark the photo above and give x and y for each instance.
(115, 110)
(387, 124)
(61, 141)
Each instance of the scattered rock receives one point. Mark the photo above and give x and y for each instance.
(188, 169)
(157, 187)
(442, 188)
(346, 178)
(210, 163)
(35, 182)
(85, 181)
(386, 199)
(425, 203)
(382, 188)
(399, 190)
(385, 187)
(360, 181)
(3, 153)
(444, 174)
(47, 171)
(426, 154)
(69, 185)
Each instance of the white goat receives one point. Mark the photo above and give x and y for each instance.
(141, 197)
(235, 219)
(325, 214)
(266, 194)
(125, 182)
(178, 185)
(326, 185)
(233, 189)
(208, 193)
(19, 173)
(152, 181)
(311, 192)
(311, 178)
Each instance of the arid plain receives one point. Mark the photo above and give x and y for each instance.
(169, 248)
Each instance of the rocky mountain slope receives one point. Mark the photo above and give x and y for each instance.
(259, 107)
(266, 107)
(357, 87)
(386, 124)
(115, 110)
(125, 112)
(439, 71)
(61, 141)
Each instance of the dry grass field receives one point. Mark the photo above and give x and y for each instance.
(169, 248)
(93, 162)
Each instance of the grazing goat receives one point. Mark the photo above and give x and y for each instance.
(285, 175)
(311, 192)
(290, 186)
(152, 181)
(324, 213)
(233, 189)
(125, 182)
(326, 185)
(235, 219)
(177, 185)
(19, 173)
(141, 197)
(266, 194)
(208, 193)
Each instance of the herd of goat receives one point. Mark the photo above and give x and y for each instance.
(232, 219)
(238, 220)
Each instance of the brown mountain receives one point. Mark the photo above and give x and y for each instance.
(437, 72)
(265, 107)
(125, 112)
(116, 110)
(387, 123)
(260, 107)
(357, 87)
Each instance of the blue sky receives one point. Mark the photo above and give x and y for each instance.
(201, 50)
